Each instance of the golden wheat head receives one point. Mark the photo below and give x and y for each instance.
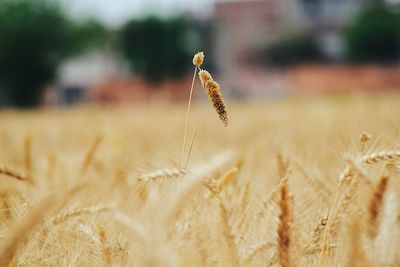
(214, 94)
(198, 59)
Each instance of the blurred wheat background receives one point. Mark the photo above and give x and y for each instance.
(98, 187)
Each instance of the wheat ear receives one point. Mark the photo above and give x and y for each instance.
(79, 212)
(284, 227)
(381, 156)
(213, 92)
(314, 245)
(375, 205)
(167, 173)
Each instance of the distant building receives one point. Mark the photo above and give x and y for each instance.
(244, 27)
(328, 19)
(77, 76)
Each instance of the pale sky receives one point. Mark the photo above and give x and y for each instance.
(116, 12)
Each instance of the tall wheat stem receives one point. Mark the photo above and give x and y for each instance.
(187, 116)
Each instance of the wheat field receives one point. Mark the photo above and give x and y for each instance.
(306, 181)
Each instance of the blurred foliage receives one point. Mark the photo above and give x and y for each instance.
(35, 37)
(374, 36)
(157, 48)
(293, 50)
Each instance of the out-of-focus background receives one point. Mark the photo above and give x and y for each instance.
(68, 52)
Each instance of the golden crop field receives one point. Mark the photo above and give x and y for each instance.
(287, 183)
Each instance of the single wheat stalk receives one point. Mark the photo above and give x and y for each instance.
(168, 173)
(79, 212)
(197, 61)
(190, 150)
(284, 227)
(375, 206)
(90, 154)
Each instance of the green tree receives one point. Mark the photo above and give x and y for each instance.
(157, 48)
(374, 35)
(35, 37)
